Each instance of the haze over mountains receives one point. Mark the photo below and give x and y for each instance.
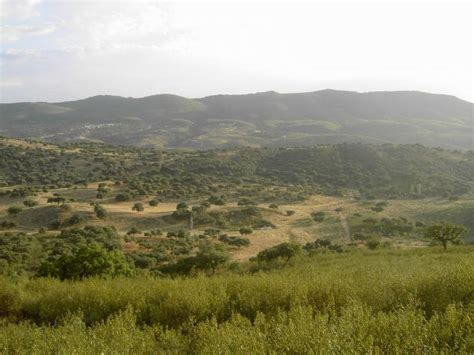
(261, 119)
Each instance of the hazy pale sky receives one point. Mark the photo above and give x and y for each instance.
(64, 50)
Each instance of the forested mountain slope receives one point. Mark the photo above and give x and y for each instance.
(261, 119)
(378, 170)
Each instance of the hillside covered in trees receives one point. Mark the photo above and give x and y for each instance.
(370, 170)
(256, 120)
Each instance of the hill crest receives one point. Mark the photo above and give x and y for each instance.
(257, 119)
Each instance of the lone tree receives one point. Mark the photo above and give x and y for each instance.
(284, 251)
(30, 203)
(245, 230)
(14, 210)
(153, 203)
(318, 216)
(208, 258)
(87, 261)
(182, 211)
(445, 232)
(56, 199)
(122, 198)
(138, 207)
(246, 202)
(100, 211)
(182, 206)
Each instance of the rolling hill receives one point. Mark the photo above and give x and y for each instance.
(262, 119)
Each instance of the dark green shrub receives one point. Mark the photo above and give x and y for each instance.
(318, 216)
(30, 203)
(284, 251)
(245, 230)
(14, 210)
(138, 207)
(122, 197)
(153, 203)
(91, 260)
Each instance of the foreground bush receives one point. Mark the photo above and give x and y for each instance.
(419, 301)
(87, 261)
(355, 329)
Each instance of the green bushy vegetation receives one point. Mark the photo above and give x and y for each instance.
(27, 254)
(236, 250)
(386, 171)
(382, 302)
(389, 227)
(77, 253)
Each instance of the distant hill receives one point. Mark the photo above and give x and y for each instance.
(261, 119)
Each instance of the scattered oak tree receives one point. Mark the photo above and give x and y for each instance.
(318, 216)
(87, 261)
(30, 203)
(138, 207)
(100, 211)
(445, 233)
(284, 251)
(208, 258)
(14, 210)
(245, 230)
(153, 203)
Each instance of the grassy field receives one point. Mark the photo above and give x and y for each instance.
(391, 301)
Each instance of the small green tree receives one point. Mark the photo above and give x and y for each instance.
(205, 205)
(245, 230)
(318, 216)
(209, 257)
(182, 206)
(133, 231)
(90, 260)
(56, 199)
(182, 211)
(122, 197)
(138, 207)
(284, 250)
(74, 219)
(218, 201)
(14, 210)
(373, 242)
(100, 211)
(445, 233)
(30, 203)
(153, 203)
(246, 202)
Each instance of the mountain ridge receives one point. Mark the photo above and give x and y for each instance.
(256, 119)
(245, 94)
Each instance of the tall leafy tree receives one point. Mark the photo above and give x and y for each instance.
(445, 233)
(87, 261)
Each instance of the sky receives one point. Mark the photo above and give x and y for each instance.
(66, 50)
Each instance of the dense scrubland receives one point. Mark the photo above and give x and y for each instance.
(383, 301)
(325, 249)
(384, 171)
